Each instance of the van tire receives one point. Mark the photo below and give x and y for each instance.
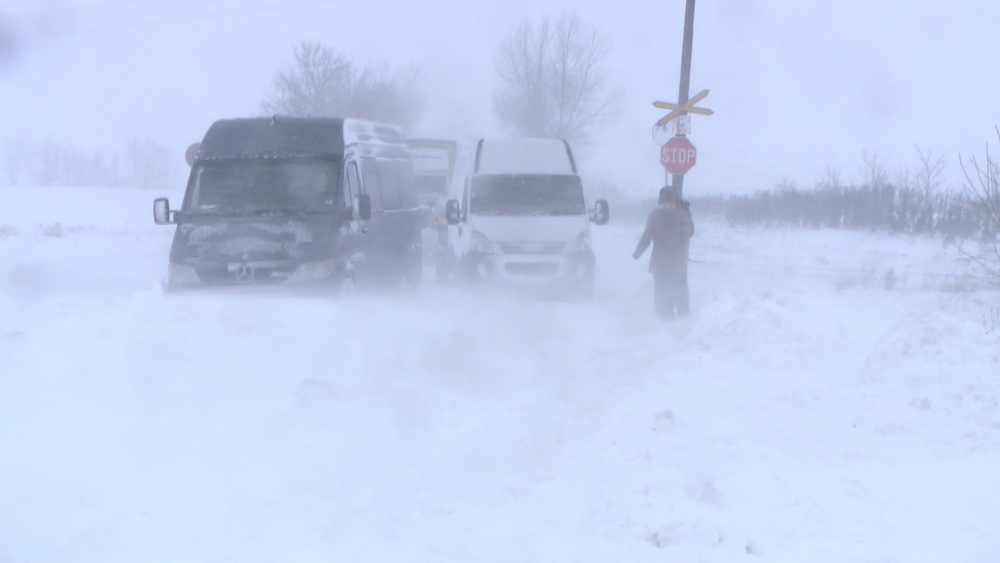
(587, 287)
(470, 271)
(442, 267)
(413, 276)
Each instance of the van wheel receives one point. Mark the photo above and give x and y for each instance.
(583, 288)
(587, 287)
(442, 268)
(470, 271)
(413, 276)
(347, 285)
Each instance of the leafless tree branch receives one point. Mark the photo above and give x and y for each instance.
(874, 174)
(322, 83)
(149, 164)
(931, 170)
(17, 154)
(982, 188)
(552, 79)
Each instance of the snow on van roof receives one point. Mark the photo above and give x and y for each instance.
(372, 133)
(273, 137)
(288, 137)
(524, 156)
(431, 160)
(433, 156)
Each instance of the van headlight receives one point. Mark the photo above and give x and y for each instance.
(582, 243)
(313, 271)
(480, 243)
(182, 274)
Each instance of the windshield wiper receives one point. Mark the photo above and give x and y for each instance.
(276, 212)
(226, 212)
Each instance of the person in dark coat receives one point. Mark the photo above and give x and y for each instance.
(668, 228)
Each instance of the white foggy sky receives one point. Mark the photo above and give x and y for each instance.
(796, 86)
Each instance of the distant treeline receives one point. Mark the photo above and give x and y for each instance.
(624, 210)
(884, 208)
(913, 202)
(144, 163)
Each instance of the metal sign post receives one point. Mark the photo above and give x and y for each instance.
(677, 164)
(678, 155)
(679, 114)
(682, 95)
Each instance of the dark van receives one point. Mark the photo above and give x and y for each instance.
(295, 200)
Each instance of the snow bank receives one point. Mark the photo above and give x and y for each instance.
(813, 408)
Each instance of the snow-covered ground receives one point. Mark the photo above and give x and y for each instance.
(835, 396)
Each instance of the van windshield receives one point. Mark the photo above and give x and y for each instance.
(259, 186)
(525, 194)
(432, 185)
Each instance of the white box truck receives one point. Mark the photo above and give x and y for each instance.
(434, 162)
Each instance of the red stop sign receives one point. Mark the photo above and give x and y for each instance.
(678, 155)
(191, 153)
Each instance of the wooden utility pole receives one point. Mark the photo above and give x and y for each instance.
(682, 96)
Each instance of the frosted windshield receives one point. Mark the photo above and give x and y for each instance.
(524, 156)
(254, 186)
(527, 195)
(432, 184)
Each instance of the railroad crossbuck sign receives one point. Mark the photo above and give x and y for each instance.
(681, 109)
(678, 155)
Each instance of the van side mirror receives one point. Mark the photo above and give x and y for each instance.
(452, 214)
(364, 207)
(162, 215)
(601, 213)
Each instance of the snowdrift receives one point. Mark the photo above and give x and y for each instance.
(834, 397)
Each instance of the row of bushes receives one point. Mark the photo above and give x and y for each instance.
(143, 163)
(884, 208)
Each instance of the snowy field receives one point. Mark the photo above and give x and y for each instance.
(835, 396)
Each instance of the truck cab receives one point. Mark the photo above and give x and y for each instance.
(295, 200)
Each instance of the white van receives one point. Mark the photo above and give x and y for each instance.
(522, 214)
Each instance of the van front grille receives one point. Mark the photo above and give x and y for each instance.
(532, 247)
(533, 268)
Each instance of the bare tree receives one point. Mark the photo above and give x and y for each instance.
(323, 83)
(831, 177)
(17, 155)
(50, 160)
(873, 170)
(553, 81)
(149, 164)
(904, 177)
(318, 84)
(390, 95)
(930, 171)
(983, 190)
(80, 168)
